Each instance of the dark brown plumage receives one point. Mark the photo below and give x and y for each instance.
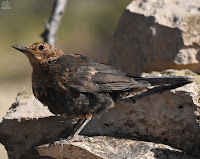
(76, 86)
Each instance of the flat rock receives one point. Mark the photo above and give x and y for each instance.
(157, 35)
(102, 147)
(170, 118)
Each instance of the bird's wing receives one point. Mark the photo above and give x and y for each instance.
(116, 81)
(93, 77)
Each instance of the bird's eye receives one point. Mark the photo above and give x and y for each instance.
(41, 47)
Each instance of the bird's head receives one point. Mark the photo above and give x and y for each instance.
(40, 52)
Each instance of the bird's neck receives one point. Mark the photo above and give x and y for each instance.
(42, 62)
(40, 68)
(40, 76)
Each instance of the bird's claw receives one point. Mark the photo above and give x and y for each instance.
(75, 138)
(70, 139)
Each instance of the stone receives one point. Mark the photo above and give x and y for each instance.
(170, 118)
(155, 35)
(102, 147)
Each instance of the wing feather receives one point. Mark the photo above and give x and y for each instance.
(91, 77)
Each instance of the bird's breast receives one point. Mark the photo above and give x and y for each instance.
(40, 84)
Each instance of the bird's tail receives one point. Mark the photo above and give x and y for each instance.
(155, 80)
(161, 84)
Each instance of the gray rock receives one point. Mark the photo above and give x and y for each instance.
(157, 35)
(170, 118)
(101, 147)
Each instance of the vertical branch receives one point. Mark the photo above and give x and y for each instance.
(49, 35)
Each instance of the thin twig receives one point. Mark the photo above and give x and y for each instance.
(49, 35)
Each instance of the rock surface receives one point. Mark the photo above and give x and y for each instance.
(101, 147)
(170, 118)
(157, 35)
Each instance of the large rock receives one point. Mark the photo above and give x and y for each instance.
(101, 147)
(157, 35)
(170, 118)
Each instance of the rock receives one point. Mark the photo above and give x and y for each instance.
(170, 118)
(155, 35)
(27, 124)
(101, 147)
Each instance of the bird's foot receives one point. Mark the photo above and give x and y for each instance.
(77, 138)
(74, 138)
(70, 139)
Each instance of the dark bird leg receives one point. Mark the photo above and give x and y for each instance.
(81, 123)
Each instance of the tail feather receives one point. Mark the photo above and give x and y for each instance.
(161, 84)
(159, 89)
(155, 81)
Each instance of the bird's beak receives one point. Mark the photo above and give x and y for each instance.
(22, 48)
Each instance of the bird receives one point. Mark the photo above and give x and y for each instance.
(73, 85)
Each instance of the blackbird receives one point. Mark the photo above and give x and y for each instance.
(75, 86)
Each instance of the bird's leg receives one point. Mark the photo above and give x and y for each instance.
(74, 133)
(76, 126)
(77, 129)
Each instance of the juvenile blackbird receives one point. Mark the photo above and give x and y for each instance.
(75, 86)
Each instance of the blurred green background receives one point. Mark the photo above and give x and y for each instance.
(86, 28)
